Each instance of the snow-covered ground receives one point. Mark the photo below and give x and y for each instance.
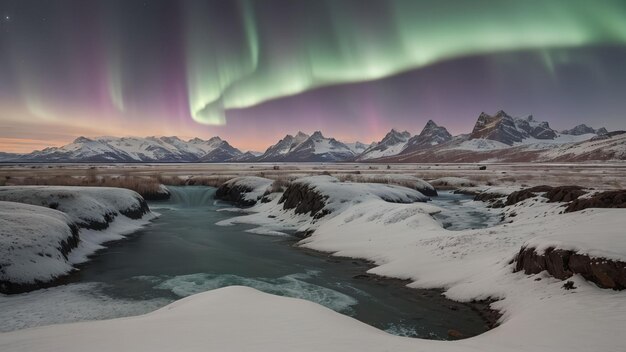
(403, 240)
(84, 205)
(32, 241)
(46, 229)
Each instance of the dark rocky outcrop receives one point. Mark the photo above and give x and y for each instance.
(233, 192)
(553, 194)
(304, 199)
(562, 264)
(524, 194)
(609, 199)
(564, 193)
(162, 194)
(137, 211)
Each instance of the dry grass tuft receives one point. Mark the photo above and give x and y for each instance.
(146, 186)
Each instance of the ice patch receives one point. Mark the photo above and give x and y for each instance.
(290, 285)
(267, 232)
(66, 304)
(463, 214)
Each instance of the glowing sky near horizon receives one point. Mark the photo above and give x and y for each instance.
(251, 71)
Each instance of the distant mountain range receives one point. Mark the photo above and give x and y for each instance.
(498, 137)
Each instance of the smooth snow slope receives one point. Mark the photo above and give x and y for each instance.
(84, 205)
(31, 241)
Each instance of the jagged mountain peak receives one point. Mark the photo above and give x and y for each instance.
(393, 143)
(430, 124)
(431, 135)
(136, 149)
(584, 129)
(503, 128)
(317, 135)
(82, 139)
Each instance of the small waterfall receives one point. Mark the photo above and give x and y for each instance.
(191, 196)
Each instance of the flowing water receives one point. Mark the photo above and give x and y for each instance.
(183, 252)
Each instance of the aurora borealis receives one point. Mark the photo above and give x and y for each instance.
(251, 71)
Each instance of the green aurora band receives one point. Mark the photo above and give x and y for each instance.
(320, 43)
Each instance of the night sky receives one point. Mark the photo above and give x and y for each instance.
(252, 71)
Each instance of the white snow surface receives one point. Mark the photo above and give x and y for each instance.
(82, 204)
(481, 145)
(403, 241)
(31, 234)
(616, 145)
(31, 238)
(344, 194)
(585, 237)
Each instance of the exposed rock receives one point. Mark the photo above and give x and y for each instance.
(431, 135)
(562, 264)
(554, 194)
(584, 129)
(235, 193)
(569, 285)
(609, 199)
(304, 200)
(137, 212)
(161, 194)
(524, 194)
(564, 193)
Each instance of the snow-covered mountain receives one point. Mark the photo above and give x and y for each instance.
(431, 135)
(319, 148)
(305, 148)
(392, 144)
(278, 151)
(494, 137)
(8, 156)
(509, 130)
(584, 129)
(358, 147)
(136, 149)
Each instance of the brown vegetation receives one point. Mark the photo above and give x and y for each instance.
(147, 187)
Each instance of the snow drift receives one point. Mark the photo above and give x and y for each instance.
(46, 229)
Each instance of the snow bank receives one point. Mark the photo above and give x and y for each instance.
(228, 319)
(585, 237)
(339, 195)
(34, 244)
(90, 207)
(245, 190)
(44, 230)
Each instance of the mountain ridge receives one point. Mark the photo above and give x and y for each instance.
(499, 132)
